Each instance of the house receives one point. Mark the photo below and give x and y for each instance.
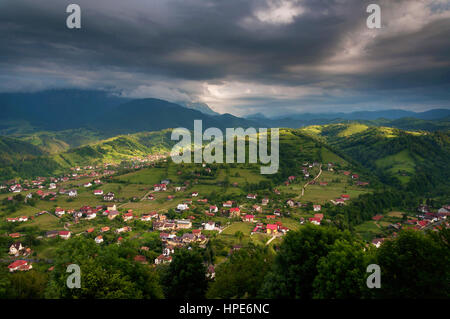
(98, 192)
(52, 186)
(104, 229)
(265, 201)
(72, 193)
(146, 218)
(272, 228)
(291, 178)
(377, 242)
(257, 208)
(64, 234)
(15, 249)
(377, 217)
(12, 220)
(317, 208)
(123, 230)
(228, 203)
(194, 194)
(165, 182)
(251, 196)
(184, 224)
(355, 176)
(91, 215)
(290, 203)
(59, 211)
(182, 207)
(169, 249)
(127, 216)
(271, 216)
(249, 218)
(187, 238)
(196, 232)
(15, 235)
(210, 226)
(90, 230)
(339, 201)
(161, 259)
(210, 273)
(99, 239)
(109, 197)
(112, 214)
(159, 187)
(88, 184)
(345, 197)
(20, 265)
(319, 216)
(235, 212)
(314, 220)
(213, 209)
(52, 233)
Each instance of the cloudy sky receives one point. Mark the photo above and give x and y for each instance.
(238, 56)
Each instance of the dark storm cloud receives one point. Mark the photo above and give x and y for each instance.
(238, 56)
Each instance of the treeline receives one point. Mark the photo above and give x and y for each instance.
(312, 263)
(368, 205)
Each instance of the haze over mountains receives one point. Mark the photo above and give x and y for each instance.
(100, 111)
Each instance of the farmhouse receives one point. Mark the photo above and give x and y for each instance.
(15, 249)
(210, 226)
(127, 216)
(235, 212)
(64, 234)
(228, 203)
(272, 228)
(20, 265)
(249, 218)
(109, 197)
(99, 239)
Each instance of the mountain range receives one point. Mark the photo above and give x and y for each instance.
(108, 115)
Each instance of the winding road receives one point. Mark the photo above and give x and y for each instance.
(315, 178)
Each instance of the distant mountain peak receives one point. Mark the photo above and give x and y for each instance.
(198, 106)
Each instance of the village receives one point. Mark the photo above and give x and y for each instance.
(152, 200)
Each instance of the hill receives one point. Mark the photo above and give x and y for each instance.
(154, 115)
(22, 159)
(415, 160)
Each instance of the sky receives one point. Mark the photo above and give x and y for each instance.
(238, 56)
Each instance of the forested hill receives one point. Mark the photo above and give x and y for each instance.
(417, 161)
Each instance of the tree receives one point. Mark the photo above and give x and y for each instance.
(185, 277)
(242, 275)
(414, 265)
(107, 272)
(295, 265)
(239, 235)
(342, 273)
(28, 285)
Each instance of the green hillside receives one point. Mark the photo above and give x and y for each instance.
(398, 157)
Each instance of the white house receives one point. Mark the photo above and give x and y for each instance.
(210, 226)
(15, 248)
(72, 193)
(182, 207)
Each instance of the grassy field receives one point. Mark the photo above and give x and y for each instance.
(368, 230)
